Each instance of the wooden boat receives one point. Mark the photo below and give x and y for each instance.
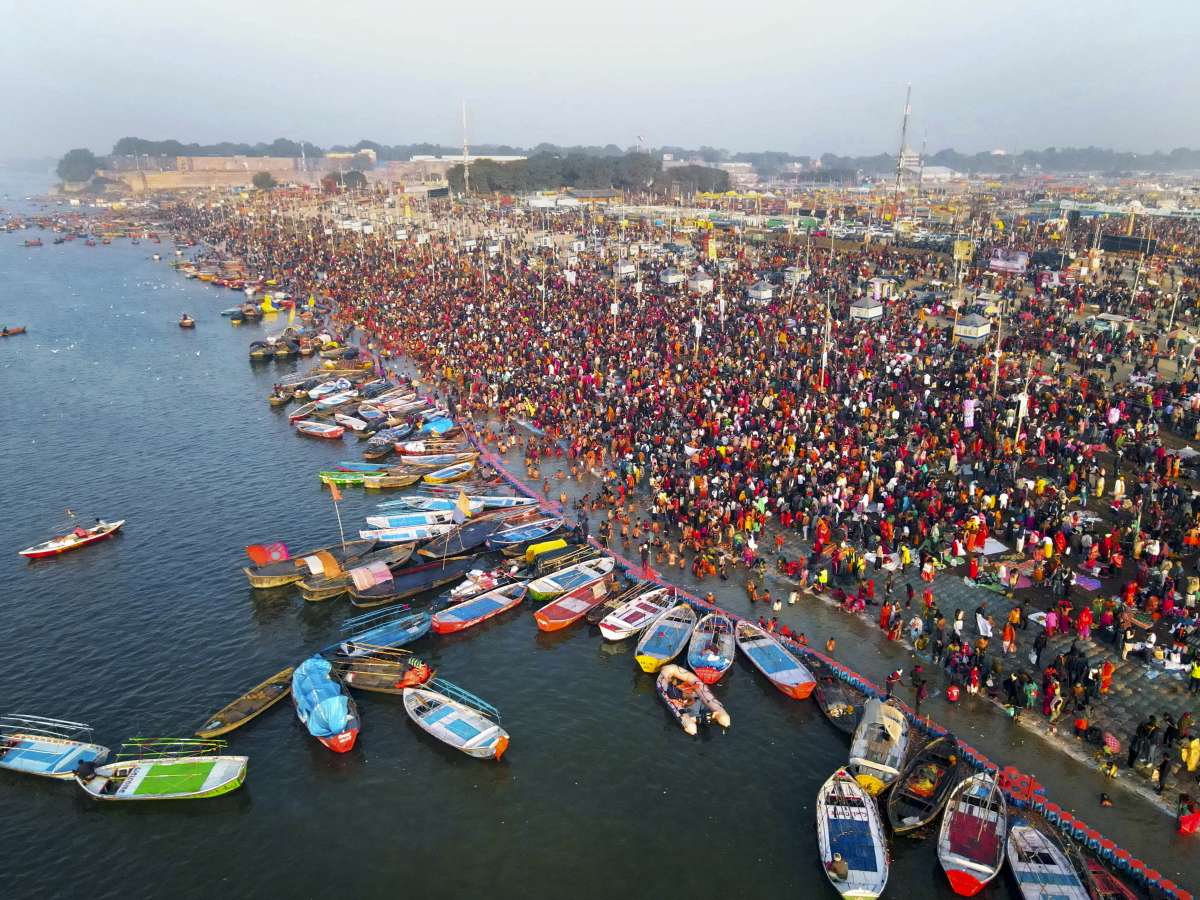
(438, 460)
(187, 322)
(302, 411)
(476, 582)
(324, 705)
(781, 667)
(456, 472)
(636, 613)
(80, 537)
(515, 535)
(665, 637)
(260, 350)
(461, 539)
(712, 648)
(689, 699)
(617, 597)
(850, 834)
(390, 628)
(12, 330)
(383, 481)
(972, 837)
(567, 579)
(570, 607)
(406, 448)
(841, 703)
(531, 552)
(351, 422)
(345, 465)
(411, 581)
(457, 718)
(253, 703)
(341, 479)
(1040, 866)
(311, 428)
(495, 501)
(165, 769)
(290, 569)
(401, 520)
(471, 612)
(336, 581)
(1102, 883)
(923, 785)
(279, 400)
(50, 748)
(879, 745)
(383, 669)
(427, 504)
(407, 534)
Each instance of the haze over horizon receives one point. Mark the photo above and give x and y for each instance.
(804, 77)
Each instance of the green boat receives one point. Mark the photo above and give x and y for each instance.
(342, 479)
(165, 769)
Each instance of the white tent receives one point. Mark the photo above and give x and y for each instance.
(671, 277)
(973, 329)
(700, 282)
(866, 308)
(624, 269)
(760, 291)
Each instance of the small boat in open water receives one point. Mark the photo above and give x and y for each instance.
(251, 704)
(164, 769)
(51, 748)
(850, 837)
(78, 537)
(324, 705)
(457, 718)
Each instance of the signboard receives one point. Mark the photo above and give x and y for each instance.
(1013, 262)
(963, 251)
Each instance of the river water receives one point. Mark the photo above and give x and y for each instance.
(114, 411)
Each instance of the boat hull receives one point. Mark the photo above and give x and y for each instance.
(41, 551)
(341, 743)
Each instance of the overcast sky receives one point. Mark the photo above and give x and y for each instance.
(789, 75)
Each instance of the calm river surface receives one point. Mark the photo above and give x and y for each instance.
(114, 411)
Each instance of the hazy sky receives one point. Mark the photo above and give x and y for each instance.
(748, 75)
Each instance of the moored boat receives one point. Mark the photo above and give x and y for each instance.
(251, 704)
(73, 540)
(382, 669)
(164, 769)
(1040, 866)
(50, 748)
(401, 520)
(665, 637)
(567, 579)
(879, 745)
(632, 616)
(377, 481)
(324, 705)
(313, 428)
(712, 648)
(689, 699)
(411, 581)
(973, 833)
(923, 785)
(390, 628)
(570, 607)
(850, 838)
(523, 533)
(462, 538)
(841, 703)
(468, 613)
(274, 566)
(456, 472)
(457, 718)
(781, 667)
(335, 580)
(407, 534)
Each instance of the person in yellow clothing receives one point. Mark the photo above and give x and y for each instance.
(1194, 679)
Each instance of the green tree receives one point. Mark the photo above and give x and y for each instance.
(263, 181)
(352, 180)
(78, 165)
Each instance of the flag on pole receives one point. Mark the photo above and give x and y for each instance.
(265, 554)
(335, 493)
(462, 508)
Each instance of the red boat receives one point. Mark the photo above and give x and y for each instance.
(80, 537)
(462, 616)
(34, 242)
(571, 606)
(9, 332)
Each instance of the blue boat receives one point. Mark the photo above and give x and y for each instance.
(520, 534)
(51, 748)
(391, 628)
(404, 520)
(712, 648)
(456, 472)
(324, 705)
(428, 504)
(435, 426)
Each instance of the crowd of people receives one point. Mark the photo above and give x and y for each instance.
(705, 431)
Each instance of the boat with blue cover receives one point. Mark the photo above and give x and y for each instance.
(781, 667)
(462, 539)
(428, 504)
(401, 520)
(458, 718)
(850, 838)
(324, 705)
(523, 534)
(350, 466)
(405, 534)
(392, 628)
(665, 638)
(50, 748)
(569, 578)
(468, 613)
(712, 648)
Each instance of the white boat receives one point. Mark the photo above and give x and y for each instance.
(1043, 871)
(665, 638)
(972, 837)
(634, 615)
(689, 699)
(349, 421)
(428, 504)
(180, 778)
(457, 718)
(51, 748)
(406, 534)
(879, 745)
(399, 520)
(571, 577)
(850, 837)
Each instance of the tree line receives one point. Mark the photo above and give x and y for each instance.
(628, 172)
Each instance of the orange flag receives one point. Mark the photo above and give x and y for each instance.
(337, 495)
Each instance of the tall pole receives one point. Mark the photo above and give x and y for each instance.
(466, 154)
(903, 142)
(825, 339)
(996, 368)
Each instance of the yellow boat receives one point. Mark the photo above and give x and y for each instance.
(665, 638)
